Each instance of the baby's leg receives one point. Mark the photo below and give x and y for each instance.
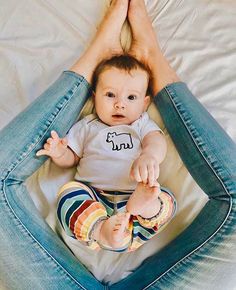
(146, 228)
(114, 233)
(79, 211)
(84, 217)
(144, 201)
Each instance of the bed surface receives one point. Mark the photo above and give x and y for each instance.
(39, 39)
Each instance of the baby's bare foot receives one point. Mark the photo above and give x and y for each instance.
(144, 201)
(144, 41)
(113, 231)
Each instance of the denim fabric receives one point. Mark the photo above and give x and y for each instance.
(202, 257)
(31, 254)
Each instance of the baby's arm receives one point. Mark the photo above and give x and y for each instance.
(60, 153)
(146, 167)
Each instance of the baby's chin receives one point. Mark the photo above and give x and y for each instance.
(115, 121)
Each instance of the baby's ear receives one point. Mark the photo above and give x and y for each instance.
(93, 95)
(147, 101)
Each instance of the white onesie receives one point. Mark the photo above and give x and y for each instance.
(108, 152)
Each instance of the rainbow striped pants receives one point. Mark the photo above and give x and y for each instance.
(81, 206)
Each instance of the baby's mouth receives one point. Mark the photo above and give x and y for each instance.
(118, 116)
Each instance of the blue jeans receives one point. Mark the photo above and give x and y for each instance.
(202, 257)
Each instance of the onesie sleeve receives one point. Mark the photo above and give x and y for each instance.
(76, 137)
(148, 125)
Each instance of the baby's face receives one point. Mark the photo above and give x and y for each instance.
(120, 97)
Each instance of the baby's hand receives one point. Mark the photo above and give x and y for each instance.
(55, 147)
(145, 169)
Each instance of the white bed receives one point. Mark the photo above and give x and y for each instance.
(41, 38)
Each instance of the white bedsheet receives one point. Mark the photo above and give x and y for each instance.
(41, 38)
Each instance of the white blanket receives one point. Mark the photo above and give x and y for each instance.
(41, 38)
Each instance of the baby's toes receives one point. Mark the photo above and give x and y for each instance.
(124, 221)
(117, 226)
(156, 188)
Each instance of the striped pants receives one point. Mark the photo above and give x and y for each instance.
(81, 207)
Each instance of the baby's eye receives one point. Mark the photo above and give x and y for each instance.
(132, 97)
(110, 95)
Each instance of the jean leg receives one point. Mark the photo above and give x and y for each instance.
(203, 145)
(31, 254)
(204, 255)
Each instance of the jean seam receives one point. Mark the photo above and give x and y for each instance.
(168, 91)
(192, 252)
(80, 77)
(39, 244)
(66, 99)
(25, 154)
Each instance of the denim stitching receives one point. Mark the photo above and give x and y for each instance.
(168, 91)
(21, 159)
(11, 211)
(38, 138)
(80, 77)
(60, 106)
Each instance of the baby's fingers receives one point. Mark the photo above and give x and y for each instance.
(42, 152)
(55, 135)
(151, 176)
(47, 146)
(64, 141)
(50, 140)
(144, 173)
(135, 174)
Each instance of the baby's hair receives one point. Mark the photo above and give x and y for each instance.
(124, 62)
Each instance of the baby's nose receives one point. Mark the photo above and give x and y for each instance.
(119, 105)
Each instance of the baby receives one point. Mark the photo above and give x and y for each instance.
(115, 202)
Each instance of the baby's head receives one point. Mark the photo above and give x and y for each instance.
(122, 90)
